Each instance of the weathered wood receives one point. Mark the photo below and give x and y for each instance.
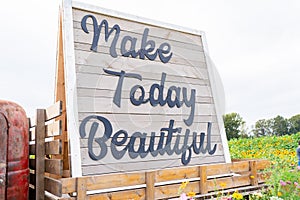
(40, 153)
(120, 195)
(52, 166)
(52, 129)
(51, 148)
(53, 186)
(262, 164)
(60, 95)
(203, 179)
(105, 181)
(136, 25)
(143, 166)
(54, 111)
(167, 191)
(150, 181)
(228, 182)
(51, 112)
(161, 191)
(81, 188)
(179, 173)
(253, 175)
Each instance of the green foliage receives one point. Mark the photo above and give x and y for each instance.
(278, 149)
(284, 181)
(262, 128)
(280, 126)
(234, 125)
(295, 124)
(277, 126)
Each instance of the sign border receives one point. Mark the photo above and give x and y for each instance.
(70, 74)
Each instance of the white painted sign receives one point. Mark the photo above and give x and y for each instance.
(139, 94)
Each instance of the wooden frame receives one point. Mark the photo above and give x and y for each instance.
(56, 165)
(67, 64)
(206, 181)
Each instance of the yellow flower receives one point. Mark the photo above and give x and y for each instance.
(183, 184)
(223, 185)
(279, 194)
(191, 194)
(237, 195)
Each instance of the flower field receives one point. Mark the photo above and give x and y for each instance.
(284, 182)
(280, 150)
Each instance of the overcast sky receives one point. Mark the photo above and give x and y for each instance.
(255, 45)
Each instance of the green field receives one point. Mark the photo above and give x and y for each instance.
(284, 182)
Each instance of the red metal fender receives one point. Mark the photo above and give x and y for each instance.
(14, 152)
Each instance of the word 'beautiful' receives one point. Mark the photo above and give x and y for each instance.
(136, 145)
(147, 46)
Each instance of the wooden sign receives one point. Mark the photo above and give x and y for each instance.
(140, 94)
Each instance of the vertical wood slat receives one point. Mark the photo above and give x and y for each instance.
(40, 154)
(60, 95)
(3, 155)
(253, 169)
(150, 181)
(81, 188)
(203, 179)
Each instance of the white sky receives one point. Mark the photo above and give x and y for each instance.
(255, 45)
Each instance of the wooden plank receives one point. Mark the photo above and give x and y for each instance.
(54, 166)
(81, 188)
(60, 95)
(237, 167)
(133, 25)
(203, 179)
(150, 181)
(53, 186)
(253, 174)
(51, 148)
(262, 164)
(93, 63)
(54, 111)
(145, 118)
(180, 53)
(51, 130)
(196, 75)
(40, 153)
(87, 104)
(217, 169)
(105, 181)
(109, 94)
(121, 195)
(142, 166)
(51, 112)
(168, 191)
(177, 174)
(81, 37)
(228, 182)
(91, 58)
(106, 82)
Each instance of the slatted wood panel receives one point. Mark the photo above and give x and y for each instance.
(42, 148)
(96, 89)
(204, 180)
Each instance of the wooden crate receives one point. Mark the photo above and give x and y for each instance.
(48, 179)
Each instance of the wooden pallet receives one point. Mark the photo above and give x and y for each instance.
(47, 172)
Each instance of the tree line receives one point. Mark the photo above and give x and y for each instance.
(235, 126)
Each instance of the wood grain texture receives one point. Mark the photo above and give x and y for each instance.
(40, 153)
(96, 89)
